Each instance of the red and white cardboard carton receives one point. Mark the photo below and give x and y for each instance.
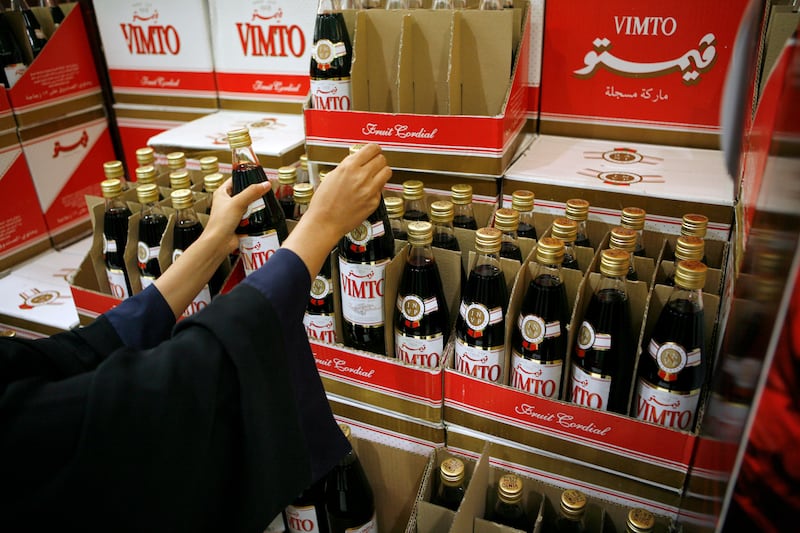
(7, 121)
(62, 80)
(158, 52)
(262, 50)
(66, 159)
(23, 232)
(647, 71)
(137, 124)
(666, 181)
(35, 308)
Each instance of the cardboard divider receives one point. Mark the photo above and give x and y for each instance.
(430, 517)
(376, 55)
(426, 60)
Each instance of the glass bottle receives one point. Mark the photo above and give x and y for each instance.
(577, 209)
(480, 325)
(640, 521)
(633, 218)
(179, 179)
(463, 213)
(186, 230)
(152, 224)
(146, 156)
(422, 322)
(442, 4)
(414, 197)
(508, 509)
(571, 512)
(364, 253)
(507, 221)
(302, 194)
(604, 353)
(450, 489)
(441, 215)
(319, 315)
(695, 225)
(176, 161)
(11, 54)
(212, 182)
(349, 500)
(287, 177)
(539, 340)
(263, 226)
(625, 239)
(331, 58)
(490, 5)
(522, 202)
(672, 369)
(395, 207)
(209, 164)
(302, 170)
(115, 238)
(33, 30)
(113, 170)
(687, 248)
(566, 231)
(396, 4)
(307, 512)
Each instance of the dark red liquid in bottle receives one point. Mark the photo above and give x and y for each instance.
(510, 250)
(415, 214)
(445, 241)
(151, 229)
(486, 285)
(115, 229)
(244, 175)
(423, 281)
(509, 514)
(465, 221)
(583, 241)
(349, 500)
(331, 26)
(183, 235)
(307, 511)
(287, 204)
(526, 230)
(570, 262)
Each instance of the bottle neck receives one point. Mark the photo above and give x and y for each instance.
(328, 6)
(694, 296)
(186, 216)
(151, 208)
(243, 154)
(511, 236)
(420, 254)
(464, 210)
(616, 283)
(487, 259)
(115, 203)
(547, 269)
(300, 210)
(443, 228)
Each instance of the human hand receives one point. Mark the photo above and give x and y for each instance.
(227, 211)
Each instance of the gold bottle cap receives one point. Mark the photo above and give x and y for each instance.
(623, 239)
(509, 488)
(442, 211)
(641, 520)
(146, 174)
(303, 193)
(452, 471)
(413, 190)
(182, 198)
(395, 207)
(145, 156)
(689, 247)
(633, 218)
(345, 429)
(8, 333)
(304, 162)
(614, 263)
(209, 164)
(176, 160)
(461, 193)
(694, 224)
(287, 175)
(573, 502)
(690, 275)
(506, 219)
(179, 179)
(322, 174)
(147, 193)
(212, 182)
(549, 251)
(113, 169)
(488, 240)
(565, 229)
(239, 138)
(111, 188)
(522, 200)
(355, 148)
(420, 232)
(577, 209)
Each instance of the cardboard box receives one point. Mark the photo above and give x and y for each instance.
(137, 124)
(7, 121)
(23, 232)
(35, 308)
(667, 182)
(56, 83)
(430, 96)
(640, 72)
(65, 158)
(158, 53)
(263, 53)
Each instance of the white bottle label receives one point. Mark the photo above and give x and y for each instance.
(670, 409)
(331, 95)
(320, 327)
(145, 253)
(255, 250)
(200, 302)
(302, 519)
(14, 72)
(369, 527)
(536, 377)
(420, 351)
(486, 364)
(362, 292)
(325, 51)
(116, 281)
(589, 389)
(535, 330)
(320, 288)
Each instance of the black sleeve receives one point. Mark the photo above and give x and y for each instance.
(216, 429)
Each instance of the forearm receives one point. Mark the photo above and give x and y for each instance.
(312, 241)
